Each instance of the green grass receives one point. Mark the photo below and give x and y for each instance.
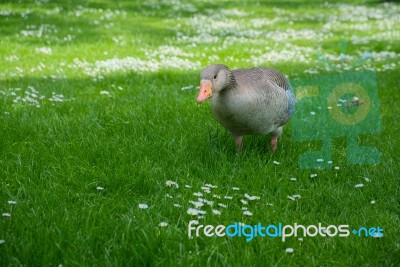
(53, 157)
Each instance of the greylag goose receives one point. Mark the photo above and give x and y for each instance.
(248, 101)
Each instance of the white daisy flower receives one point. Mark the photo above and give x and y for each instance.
(359, 185)
(100, 188)
(337, 168)
(187, 186)
(192, 211)
(312, 113)
(44, 50)
(276, 162)
(211, 186)
(6, 214)
(143, 206)
(2, 241)
(104, 92)
(294, 197)
(373, 202)
(247, 213)
(12, 202)
(244, 208)
(187, 87)
(222, 205)
(366, 179)
(228, 197)
(300, 239)
(235, 188)
(163, 224)
(293, 179)
(170, 183)
(208, 202)
(251, 197)
(168, 195)
(313, 175)
(244, 202)
(197, 204)
(216, 196)
(289, 250)
(176, 205)
(330, 161)
(201, 212)
(216, 212)
(198, 194)
(320, 160)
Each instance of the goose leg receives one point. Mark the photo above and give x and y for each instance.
(274, 142)
(274, 138)
(239, 142)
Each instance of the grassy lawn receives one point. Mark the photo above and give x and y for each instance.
(98, 115)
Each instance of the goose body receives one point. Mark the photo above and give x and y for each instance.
(248, 101)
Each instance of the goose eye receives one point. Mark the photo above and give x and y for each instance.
(215, 76)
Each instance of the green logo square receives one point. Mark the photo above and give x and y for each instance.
(333, 106)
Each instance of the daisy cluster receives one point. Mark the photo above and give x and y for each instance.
(32, 97)
(175, 6)
(232, 27)
(207, 200)
(100, 13)
(41, 68)
(49, 33)
(382, 22)
(166, 57)
(38, 31)
(229, 29)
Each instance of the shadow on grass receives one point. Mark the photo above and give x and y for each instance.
(149, 125)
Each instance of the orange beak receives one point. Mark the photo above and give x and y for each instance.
(205, 91)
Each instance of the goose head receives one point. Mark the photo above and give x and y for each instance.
(213, 80)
